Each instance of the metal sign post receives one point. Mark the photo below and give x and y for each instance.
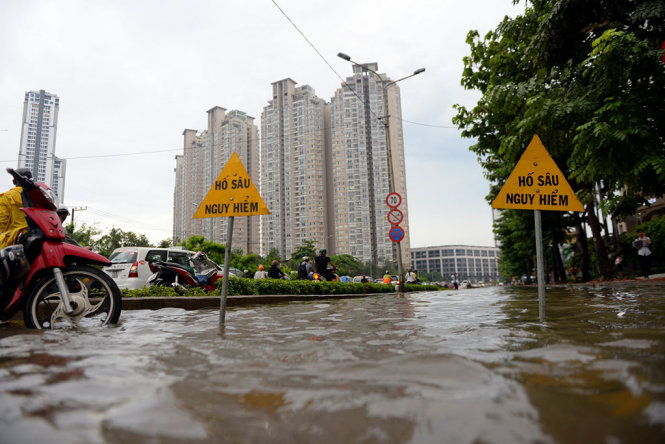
(540, 265)
(536, 183)
(396, 234)
(225, 279)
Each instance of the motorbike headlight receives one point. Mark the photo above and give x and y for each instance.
(50, 196)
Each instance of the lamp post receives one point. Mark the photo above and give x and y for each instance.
(386, 123)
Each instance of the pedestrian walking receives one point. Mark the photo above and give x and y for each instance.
(454, 281)
(411, 277)
(643, 245)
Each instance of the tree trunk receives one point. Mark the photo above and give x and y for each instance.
(604, 266)
(583, 245)
(557, 263)
(556, 276)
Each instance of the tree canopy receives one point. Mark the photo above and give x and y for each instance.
(588, 78)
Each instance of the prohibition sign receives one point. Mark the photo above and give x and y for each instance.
(393, 200)
(396, 234)
(395, 216)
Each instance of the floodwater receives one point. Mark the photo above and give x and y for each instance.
(445, 367)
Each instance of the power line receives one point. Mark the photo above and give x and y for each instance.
(323, 58)
(344, 83)
(126, 220)
(191, 148)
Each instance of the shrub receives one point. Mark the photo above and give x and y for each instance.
(242, 286)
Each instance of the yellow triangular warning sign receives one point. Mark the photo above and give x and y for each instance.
(537, 183)
(232, 194)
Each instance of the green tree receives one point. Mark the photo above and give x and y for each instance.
(586, 76)
(84, 234)
(213, 250)
(249, 262)
(347, 265)
(165, 243)
(307, 248)
(273, 255)
(117, 238)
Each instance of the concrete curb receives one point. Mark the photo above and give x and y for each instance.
(203, 302)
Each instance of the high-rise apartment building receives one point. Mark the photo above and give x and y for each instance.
(361, 166)
(294, 157)
(37, 150)
(204, 157)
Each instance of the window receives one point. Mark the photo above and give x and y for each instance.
(178, 258)
(155, 255)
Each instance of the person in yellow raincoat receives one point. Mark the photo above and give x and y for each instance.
(12, 219)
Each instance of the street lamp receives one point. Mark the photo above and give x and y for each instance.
(386, 122)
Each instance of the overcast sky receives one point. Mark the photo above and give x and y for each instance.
(132, 75)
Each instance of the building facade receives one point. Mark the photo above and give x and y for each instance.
(294, 156)
(38, 132)
(469, 262)
(363, 163)
(204, 157)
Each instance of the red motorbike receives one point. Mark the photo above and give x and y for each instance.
(202, 272)
(55, 283)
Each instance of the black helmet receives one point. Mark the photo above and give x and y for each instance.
(25, 172)
(322, 251)
(62, 212)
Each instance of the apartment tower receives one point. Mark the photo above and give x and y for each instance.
(37, 150)
(362, 166)
(293, 169)
(204, 157)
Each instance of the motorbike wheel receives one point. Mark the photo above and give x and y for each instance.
(95, 298)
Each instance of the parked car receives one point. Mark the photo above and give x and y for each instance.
(130, 264)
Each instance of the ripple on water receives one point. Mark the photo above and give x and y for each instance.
(472, 366)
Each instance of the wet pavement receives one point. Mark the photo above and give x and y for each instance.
(445, 367)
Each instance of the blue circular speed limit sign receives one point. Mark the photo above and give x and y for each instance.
(396, 233)
(393, 200)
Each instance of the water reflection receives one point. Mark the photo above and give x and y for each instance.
(467, 366)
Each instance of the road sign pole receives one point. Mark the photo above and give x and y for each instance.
(225, 279)
(540, 270)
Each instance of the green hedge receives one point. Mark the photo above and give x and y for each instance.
(240, 286)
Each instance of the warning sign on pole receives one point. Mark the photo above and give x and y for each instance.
(232, 194)
(537, 183)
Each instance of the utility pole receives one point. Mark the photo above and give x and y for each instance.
(386, 122)
(74, 209)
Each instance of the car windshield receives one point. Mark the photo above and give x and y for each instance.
(123, 257)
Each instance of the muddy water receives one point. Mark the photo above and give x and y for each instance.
(447, 367)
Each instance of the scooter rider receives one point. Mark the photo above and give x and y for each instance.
(12, 219)
(305, 269)
(321, 265)
(274, 272)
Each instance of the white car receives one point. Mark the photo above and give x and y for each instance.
(130, 267)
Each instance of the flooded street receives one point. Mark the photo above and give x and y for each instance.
(444, 367)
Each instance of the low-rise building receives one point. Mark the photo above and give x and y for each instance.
(470, 262)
